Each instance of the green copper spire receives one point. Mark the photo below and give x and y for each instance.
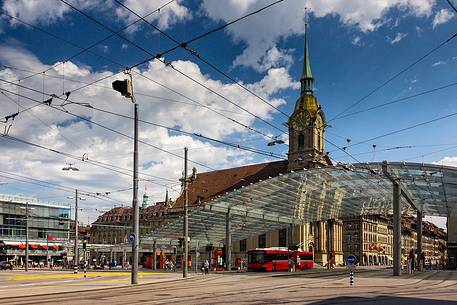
(306, 76)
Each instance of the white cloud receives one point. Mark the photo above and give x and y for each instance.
(263, 31)
(124, 46)
(67, 134)
(44, 12)
(357, 41)
(443, 16)
(438, 63)
(449, 161)
(397, 38)
(168, 16)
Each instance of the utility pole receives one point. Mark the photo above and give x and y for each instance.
(47, 250)
(76, 256)
(26, 236)
(136, 208)
(125, 88)
(186, 219)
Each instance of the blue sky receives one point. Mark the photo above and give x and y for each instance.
(354, 47)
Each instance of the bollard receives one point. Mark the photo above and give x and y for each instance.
(85, 270)
(351, 277)
(75, 270)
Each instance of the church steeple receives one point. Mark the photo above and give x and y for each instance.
(306, 79)
(307, 122)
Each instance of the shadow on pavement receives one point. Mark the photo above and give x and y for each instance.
(382, 300)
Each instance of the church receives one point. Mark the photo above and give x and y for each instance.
(306, 150)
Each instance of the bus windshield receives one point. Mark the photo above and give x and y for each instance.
(255, 257)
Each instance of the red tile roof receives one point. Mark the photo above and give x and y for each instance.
(211, 184)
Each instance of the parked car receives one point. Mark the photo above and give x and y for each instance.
(6, 265)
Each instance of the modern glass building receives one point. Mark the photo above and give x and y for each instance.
(48, 227)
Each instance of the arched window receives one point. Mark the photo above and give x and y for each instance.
(301, 140)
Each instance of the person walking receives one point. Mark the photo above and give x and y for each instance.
(206, 266)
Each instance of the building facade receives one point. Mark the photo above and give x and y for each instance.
(370, 239)
(48, 228)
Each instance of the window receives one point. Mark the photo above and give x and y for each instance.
(243, 245)
(301, 140)
(262, 241)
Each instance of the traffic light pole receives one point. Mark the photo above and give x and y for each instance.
(186, 220)
(136, 209)
(76, 256)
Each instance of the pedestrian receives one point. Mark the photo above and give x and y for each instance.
(206, 266)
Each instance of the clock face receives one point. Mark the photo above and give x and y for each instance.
(301, 121)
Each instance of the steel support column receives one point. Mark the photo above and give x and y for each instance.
(396, 229)
(154, 255)
(420, 263)
(291, 235)
(228, 241)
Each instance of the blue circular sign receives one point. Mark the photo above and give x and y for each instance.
(132, 237)
(351, 260)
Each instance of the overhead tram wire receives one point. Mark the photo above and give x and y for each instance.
(404, 129)
(86, 49)
(397, 100)
(137, 93)
(54, 186)
(198, 55)
(86, 85)
(192, 134)
(156, 56)
(395, 76)
(106, 166)
(112, 130)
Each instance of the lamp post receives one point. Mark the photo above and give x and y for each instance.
(76, 253)
(125, 87)
(26, 236)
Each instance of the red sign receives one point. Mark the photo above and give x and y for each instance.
(52, 238)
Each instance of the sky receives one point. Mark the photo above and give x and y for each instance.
(363, 54)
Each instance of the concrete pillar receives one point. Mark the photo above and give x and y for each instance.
(154, 255)
(419, 241)
(228, 241)
(452, 238)
(396, 229)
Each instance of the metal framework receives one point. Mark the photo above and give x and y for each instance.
(318, 194)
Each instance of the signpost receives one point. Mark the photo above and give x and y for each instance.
(132, 237)
(351, 262)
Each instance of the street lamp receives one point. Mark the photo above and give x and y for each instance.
(125, 88)
(70, 167)
(275, 141)
(76, 251)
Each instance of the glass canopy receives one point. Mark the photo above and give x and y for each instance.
(303, 196)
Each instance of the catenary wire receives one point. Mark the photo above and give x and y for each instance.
(174, 68)
(428, 53)
(192, 134)
(199, 56)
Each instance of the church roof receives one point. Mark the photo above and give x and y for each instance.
(211, 184)
(307, 102)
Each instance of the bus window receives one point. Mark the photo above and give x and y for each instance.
(255, 257)
(306, 257)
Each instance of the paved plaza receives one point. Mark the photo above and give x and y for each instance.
(313, 287)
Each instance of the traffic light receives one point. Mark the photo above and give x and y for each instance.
(181, 241)
(84, 245)
(124, 87)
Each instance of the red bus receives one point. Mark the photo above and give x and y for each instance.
(278, 259)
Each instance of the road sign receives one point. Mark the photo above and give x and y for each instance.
(351, 261)
(132, 237)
